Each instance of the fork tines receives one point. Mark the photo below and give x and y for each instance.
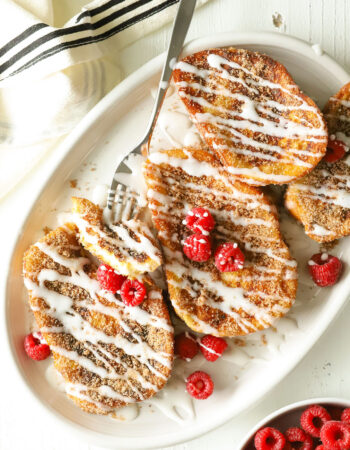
(124, 201)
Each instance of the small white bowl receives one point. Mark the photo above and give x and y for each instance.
(287, 411)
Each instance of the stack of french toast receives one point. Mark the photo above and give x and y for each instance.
(214, 231)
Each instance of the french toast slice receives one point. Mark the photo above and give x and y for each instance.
(109, 355)
(127, 246)
(321, 200)
(209, 301)
(252, 114)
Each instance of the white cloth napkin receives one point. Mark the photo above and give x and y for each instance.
(54, 70)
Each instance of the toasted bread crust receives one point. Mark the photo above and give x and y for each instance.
(250, 111)
(127, 246)
(321, 200)
(94, 339)
(337, 110)
(223, 304)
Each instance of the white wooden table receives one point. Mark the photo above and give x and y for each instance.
(325, 370)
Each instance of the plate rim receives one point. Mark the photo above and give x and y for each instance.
(119, 92)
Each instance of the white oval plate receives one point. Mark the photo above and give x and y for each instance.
(246, 373)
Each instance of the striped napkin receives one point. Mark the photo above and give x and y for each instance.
(54, 70)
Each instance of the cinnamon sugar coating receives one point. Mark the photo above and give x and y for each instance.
(252, 114)
(108, 354)
(127, 246)
(321, 200)
(223, 304)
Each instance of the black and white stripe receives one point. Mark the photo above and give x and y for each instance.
(40, 41)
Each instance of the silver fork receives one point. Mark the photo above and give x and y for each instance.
(120, 194)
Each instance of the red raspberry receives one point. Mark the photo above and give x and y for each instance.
(199, 385)
(313, 418)
(197, 247)
(335, 150)
(186, 346)
(345, 415)
(325, 269)
(320, 447)
(297, 435)
(36, 347)
(269, 439)
(109, 279)
(212, 347)
(132, 292)
(200, 220)
(229, 258)
(336, 435)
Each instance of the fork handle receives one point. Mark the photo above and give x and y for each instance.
(181, 24)
(180, 27)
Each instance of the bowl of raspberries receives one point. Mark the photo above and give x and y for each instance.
(314, 424)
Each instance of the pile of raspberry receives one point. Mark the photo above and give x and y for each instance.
(197, 247)
(228, 258)
(199, 384)
(132, 292)
(319, 429)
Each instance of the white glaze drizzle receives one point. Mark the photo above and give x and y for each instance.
(319, 230)
(231, 122)
(340, 136)
(335, 195)
(332, 188)
(343, 102)
(235, 299)
(123, 242)
(60, 307)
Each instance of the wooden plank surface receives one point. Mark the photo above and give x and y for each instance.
(325, 22)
